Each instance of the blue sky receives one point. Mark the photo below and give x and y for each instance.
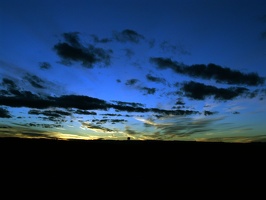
(149, 70)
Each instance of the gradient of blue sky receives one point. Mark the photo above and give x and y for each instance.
(112, 69)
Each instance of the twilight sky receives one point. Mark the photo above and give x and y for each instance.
(149, 70)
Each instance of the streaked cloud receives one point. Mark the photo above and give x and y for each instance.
(210, 71)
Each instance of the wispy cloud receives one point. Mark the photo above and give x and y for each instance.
(35, 81)
(155, 79)
(45, 65)
(128, 35)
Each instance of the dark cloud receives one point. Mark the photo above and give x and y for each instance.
(69, 53)
(4, 113)
(136, 107)
(132, 81)
(112, 121)
(30, 100)
(8, 83)
(178, 107)
(44, 65)
(133, 104)
(35, 81)
(200, 91)
(24, 99)
(128, 35)
(84, 112)
(80, 102)
(128, 108)
(180, 101)
(210, 71)
(206, 112)
(148, 90)
(73, 51)
(111, 115)
(174, 112)
(254, 93)
(34, 124)
(50, 113)
(99, 121)
(72, 38)
(57, 116)
(165, 63)
(155, 79)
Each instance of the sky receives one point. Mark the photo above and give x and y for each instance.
(189, 70)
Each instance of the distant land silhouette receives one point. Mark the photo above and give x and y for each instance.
(65, 162)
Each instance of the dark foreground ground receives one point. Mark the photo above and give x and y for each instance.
(42, 163)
